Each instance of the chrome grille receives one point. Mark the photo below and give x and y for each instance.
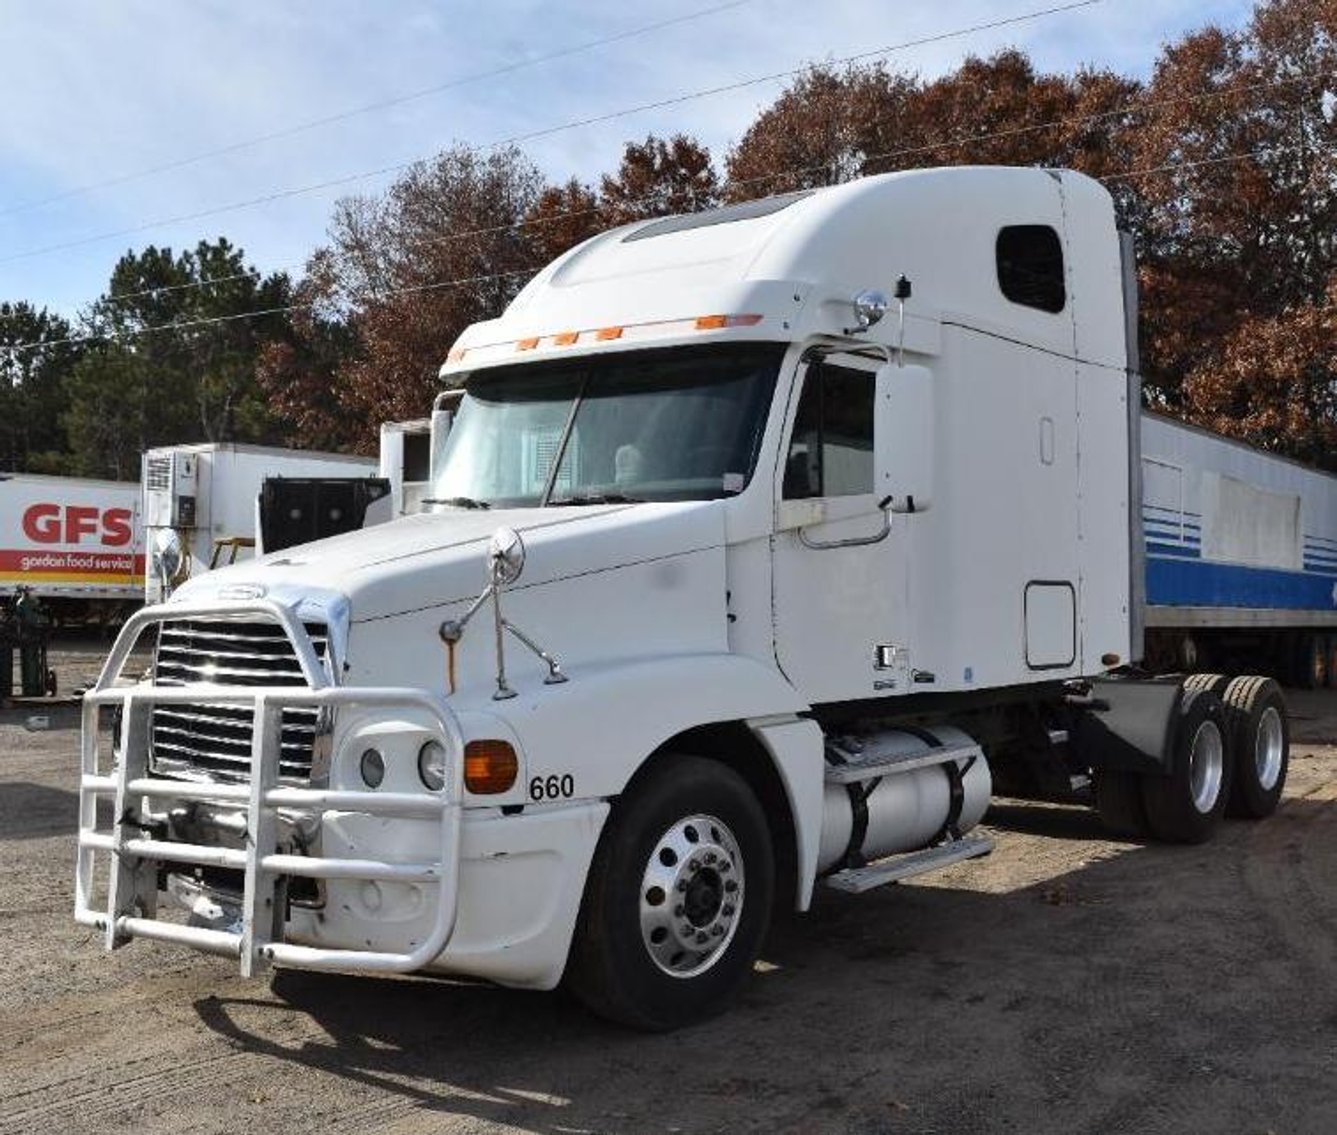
(213, 741)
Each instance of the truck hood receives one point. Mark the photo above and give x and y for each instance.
(435, 559)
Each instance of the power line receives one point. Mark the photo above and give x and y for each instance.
(348, 179)
(282, 309)
(908, 151)
(487, 277)
(384, 104)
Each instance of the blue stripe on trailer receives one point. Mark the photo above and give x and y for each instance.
(1178, 581)
(1171, 525)
(1172, 532)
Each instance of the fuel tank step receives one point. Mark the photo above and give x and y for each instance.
(856, 880)
(872, 762)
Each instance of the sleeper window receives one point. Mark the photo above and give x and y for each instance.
(831, 450)
(1030, 266)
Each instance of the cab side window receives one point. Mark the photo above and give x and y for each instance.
(831, 450)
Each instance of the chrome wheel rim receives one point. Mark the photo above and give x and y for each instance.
(1206, 763)
(1268, 747)
(691, 895)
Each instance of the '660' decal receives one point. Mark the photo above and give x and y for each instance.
(553, 787)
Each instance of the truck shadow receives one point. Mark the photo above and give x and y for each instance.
(1054, 820)
(929, 1005)
(37, 811)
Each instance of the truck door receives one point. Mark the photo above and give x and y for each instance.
(834, 593)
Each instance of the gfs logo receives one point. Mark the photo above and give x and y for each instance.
(71, 523)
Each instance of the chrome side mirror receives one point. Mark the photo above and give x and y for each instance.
(506, 554)
(870, 306)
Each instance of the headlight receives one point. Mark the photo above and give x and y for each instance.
(432, 765)
(373, 768)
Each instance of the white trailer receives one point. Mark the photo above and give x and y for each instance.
(200, 503)
(765, 542)
(77, 543)
(406, 453)
(1241, 551)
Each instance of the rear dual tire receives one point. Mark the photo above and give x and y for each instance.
(1187, 805)
(1259, 737)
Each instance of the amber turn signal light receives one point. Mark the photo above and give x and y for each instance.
(489, 767)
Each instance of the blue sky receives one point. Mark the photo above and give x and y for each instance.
(94, 91)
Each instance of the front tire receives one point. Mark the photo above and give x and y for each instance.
(678, 898)
(1187, 805)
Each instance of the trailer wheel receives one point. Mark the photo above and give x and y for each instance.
(1260, 737)
(1187, 805)
(1118, 797)
(1311, 670)
(678, 898)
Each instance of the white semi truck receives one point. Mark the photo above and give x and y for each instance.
(765, 542)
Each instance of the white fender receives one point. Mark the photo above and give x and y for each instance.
(603, 723)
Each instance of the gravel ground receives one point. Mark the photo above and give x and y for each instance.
(1066, 983)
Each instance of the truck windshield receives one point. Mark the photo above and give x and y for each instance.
(677, 424)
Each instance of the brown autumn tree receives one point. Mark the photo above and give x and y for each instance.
(404, 274)
(1273, 382)
(828, 126)
(299, 374)
(659, 177)
(1239, 146)
(562, 217)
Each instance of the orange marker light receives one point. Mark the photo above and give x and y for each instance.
(527, 344)
(456, 354)
(719, 322)
(606, 333)
(565, 338)
(490, 767)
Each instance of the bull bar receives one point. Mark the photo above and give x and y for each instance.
(133, 884)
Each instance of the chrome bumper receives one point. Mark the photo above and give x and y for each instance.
(135, 856)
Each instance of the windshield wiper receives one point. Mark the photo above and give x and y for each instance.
(458, 502)
(594, 498)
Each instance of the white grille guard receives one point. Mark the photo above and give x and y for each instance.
(133, 885)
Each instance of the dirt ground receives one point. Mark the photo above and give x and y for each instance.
(1067, 983)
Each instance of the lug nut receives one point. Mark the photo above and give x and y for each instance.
(701, 938)
(728, 909)
(678, 911)
(717, 931)
(710, 857)
(730, 886)
(682, 884)
(725, 865)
